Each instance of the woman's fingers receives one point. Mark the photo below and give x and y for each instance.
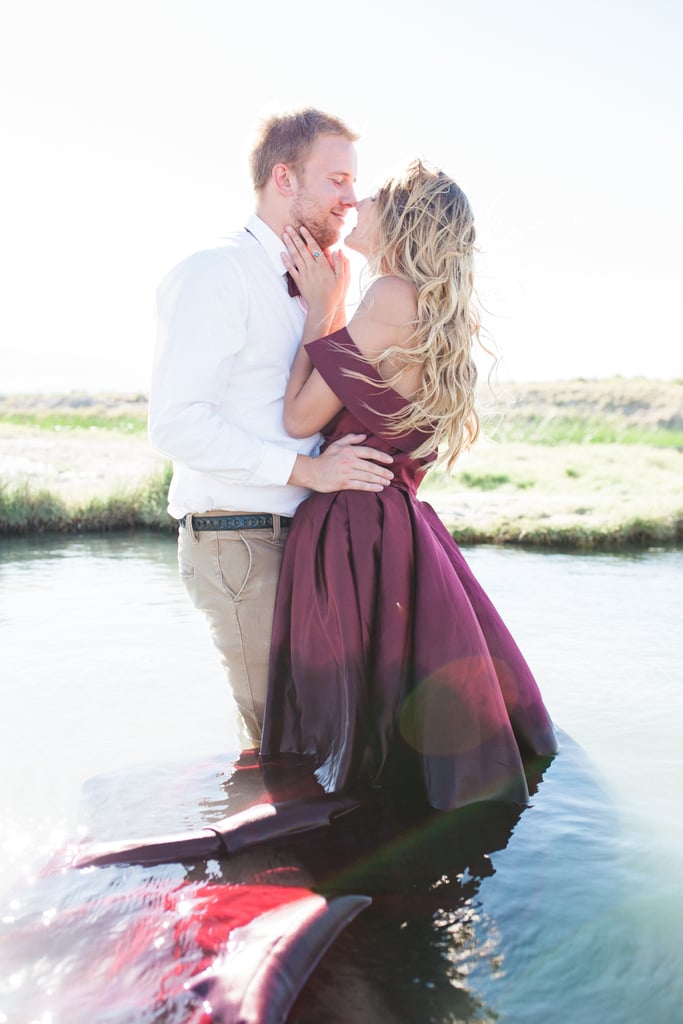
(299, 246)
(342, 265)
(313, 247)
(295, 246)
(321, 276)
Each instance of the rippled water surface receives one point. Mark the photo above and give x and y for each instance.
(116, 723)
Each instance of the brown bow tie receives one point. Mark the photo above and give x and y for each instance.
(292, 286)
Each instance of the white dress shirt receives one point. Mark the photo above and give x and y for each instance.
(228, 332)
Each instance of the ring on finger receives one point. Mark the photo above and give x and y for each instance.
(316, 254)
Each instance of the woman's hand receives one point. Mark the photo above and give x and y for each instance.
(322, 277)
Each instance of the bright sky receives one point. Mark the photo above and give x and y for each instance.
(127, 125)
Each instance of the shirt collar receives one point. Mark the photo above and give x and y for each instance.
(272, 245)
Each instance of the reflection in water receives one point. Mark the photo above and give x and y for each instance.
(567, 912)
(123, 940)
(119, 939)
(431, 947)
(20, 552)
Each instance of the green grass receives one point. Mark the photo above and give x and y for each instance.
(492, 481)
(619, 411)
(621, 501)
(514, 426)
(579, 495)
(558, 430)
(76, 421)
(580, 464)
(636, 531)
(27, 510)
(485, 481)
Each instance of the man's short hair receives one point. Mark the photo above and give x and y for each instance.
(288, 138)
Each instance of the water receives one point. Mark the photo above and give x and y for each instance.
(116, 722)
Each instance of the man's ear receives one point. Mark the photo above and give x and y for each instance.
(284, 179)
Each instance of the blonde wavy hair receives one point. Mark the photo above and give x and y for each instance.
(427, 236)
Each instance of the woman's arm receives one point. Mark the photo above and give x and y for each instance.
(323, 282)
(384, 318)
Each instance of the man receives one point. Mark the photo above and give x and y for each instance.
(228, 330)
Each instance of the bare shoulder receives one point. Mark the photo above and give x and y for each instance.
(385, 316)
(392, 300)
(385, 320)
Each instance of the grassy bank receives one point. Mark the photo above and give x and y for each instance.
(26, 509)
(575, 495)
(572, 463)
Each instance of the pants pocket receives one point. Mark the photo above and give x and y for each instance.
(235, 563)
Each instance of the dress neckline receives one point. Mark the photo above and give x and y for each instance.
(372, 413)
(373, 372)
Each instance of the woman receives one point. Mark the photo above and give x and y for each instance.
(388, 661)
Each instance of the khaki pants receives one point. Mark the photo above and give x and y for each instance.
(232, 577)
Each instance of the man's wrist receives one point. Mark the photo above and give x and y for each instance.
(303, 471)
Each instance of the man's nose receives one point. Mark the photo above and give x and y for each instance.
(349, 197)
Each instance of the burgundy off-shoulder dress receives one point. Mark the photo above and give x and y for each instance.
(388, 660)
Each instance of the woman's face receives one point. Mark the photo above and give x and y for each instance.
(364, 238)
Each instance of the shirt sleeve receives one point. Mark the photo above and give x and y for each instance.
(202, 313)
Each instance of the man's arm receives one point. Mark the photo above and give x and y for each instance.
(202, 316)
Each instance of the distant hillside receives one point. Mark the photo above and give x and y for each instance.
(618, 409)
(638, 398)
(633, 402)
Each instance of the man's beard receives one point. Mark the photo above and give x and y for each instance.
(323, 232)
